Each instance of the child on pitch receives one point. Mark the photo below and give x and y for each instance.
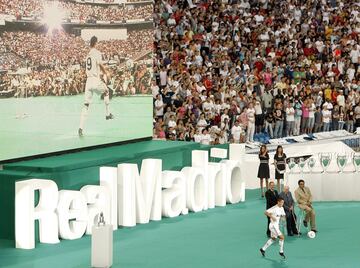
(276, 213)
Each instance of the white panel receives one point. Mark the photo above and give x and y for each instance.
(218, 153)
(236, 151)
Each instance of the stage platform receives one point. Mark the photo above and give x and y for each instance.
(225, 237)
(108, 156)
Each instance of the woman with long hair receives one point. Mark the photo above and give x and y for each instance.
(280, 165)
(264, 171)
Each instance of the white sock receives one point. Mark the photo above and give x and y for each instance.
(107, 102)
(268, 244)
(281, 243)
(84, 113)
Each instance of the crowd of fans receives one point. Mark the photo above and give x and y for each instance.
(52, 64)
(228, 70)
(135, 1)
(61, 49)
(83, 12)
(126, 80)
(46, 50)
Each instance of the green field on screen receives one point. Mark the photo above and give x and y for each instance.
(32, 126)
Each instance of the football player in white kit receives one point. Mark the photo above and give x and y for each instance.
(94, 68)
(275, 213)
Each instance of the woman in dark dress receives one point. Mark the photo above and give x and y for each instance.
(280, 165)
(263, 172)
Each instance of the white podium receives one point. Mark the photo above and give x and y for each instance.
(102, 245)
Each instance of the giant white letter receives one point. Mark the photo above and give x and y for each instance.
(235, 184)
(196, 182)
(141, 191)
(72, 211)
(26, 214)
(174, 194)
(200, 159)
(108, 178)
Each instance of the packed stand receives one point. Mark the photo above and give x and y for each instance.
(229, 71)
(83, 12)
(61, 49)
(54, 63)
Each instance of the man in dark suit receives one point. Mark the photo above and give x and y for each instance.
(289, 211)
(271, 196)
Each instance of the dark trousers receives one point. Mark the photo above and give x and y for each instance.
(267, 226)
(291, 223)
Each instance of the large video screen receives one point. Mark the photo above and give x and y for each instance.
(73, 74)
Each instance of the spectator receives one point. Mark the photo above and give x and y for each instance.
(304, 199)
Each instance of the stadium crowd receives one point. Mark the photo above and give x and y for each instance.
(52, 64)
(83, 12)
(228, 70)
(61, 49)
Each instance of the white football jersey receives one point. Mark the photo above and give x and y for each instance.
(93, 61)
(277, 212)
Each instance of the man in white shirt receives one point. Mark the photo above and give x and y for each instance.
(197, 136)
(236, 131)
(326, 117)
(351, 72)
(154, 89)
(163, 78)
(340, 99)
(251, 123)
(311, 122)
(159, 106)
(94, 84)
(205, 137)
(172, 122)
(355, 55)
(202, 123)
(275, 213)
(290, 120)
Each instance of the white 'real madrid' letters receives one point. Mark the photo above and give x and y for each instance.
(217, 185)
(108, 178)
(196, 184)
(72, 211)
(127, 197)
(144, 192)
(26, 214)
(98, 199)
(174, 194)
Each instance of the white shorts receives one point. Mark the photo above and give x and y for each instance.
(94, 85)
(275, 230)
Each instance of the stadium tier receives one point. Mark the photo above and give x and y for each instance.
(76, 11)
(239, 71)
(39, 64)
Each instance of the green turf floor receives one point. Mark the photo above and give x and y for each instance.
(51, 123)
(218, 238)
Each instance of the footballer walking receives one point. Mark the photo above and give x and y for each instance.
(275, 213)
(94, 68)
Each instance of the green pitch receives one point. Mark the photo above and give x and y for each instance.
(40, 125)
(228, 237)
